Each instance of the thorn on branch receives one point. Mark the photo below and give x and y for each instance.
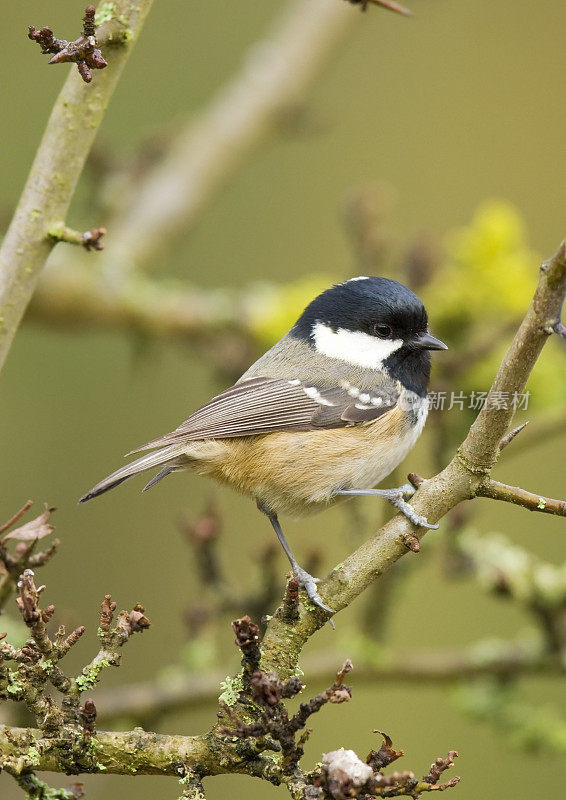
(82, 51)
(508, 438)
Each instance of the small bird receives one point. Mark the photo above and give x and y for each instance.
(328, 412)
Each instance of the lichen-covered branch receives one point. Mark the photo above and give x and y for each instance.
(58, 164)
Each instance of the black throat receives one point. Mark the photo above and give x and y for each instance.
(411, 368)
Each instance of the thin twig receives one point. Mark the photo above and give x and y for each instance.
(514, 494)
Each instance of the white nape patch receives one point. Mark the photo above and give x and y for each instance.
(359, 278)
(354, 347)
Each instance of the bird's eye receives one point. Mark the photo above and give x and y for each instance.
(382, 330)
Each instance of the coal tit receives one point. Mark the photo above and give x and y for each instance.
(329, 411)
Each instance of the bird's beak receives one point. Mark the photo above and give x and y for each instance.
(426, 341)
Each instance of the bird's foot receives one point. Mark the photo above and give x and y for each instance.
(309, 585)
(398, 498)
(407, 509)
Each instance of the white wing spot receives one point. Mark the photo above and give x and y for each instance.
(314, 394)
(294, 383)
(376, 401)
(364, 398)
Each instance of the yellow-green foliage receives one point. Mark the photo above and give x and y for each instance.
(490, 271)
(488, 278)
(275, 309)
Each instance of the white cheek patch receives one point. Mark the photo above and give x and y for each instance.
(354, 347)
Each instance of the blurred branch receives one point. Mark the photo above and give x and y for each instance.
(388, 4)
(45, 200)
(203, 155)
(79, 297)
(153, 699)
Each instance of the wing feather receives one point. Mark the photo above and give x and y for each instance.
(262, 405)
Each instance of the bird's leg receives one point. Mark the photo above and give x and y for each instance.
(398, 498)
(305, 579)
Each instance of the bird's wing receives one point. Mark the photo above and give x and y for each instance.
(264, 405)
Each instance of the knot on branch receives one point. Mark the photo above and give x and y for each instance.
(82, 51)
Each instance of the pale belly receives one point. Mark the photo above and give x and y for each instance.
(297, 473)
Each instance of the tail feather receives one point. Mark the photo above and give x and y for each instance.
(170, 456)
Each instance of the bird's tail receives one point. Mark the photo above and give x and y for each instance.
(169, 458)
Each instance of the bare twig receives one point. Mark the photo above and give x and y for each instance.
(514, 494)
(90, 240)
(83, 51)
(18, 515)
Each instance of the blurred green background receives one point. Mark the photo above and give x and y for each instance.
(461, 103)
